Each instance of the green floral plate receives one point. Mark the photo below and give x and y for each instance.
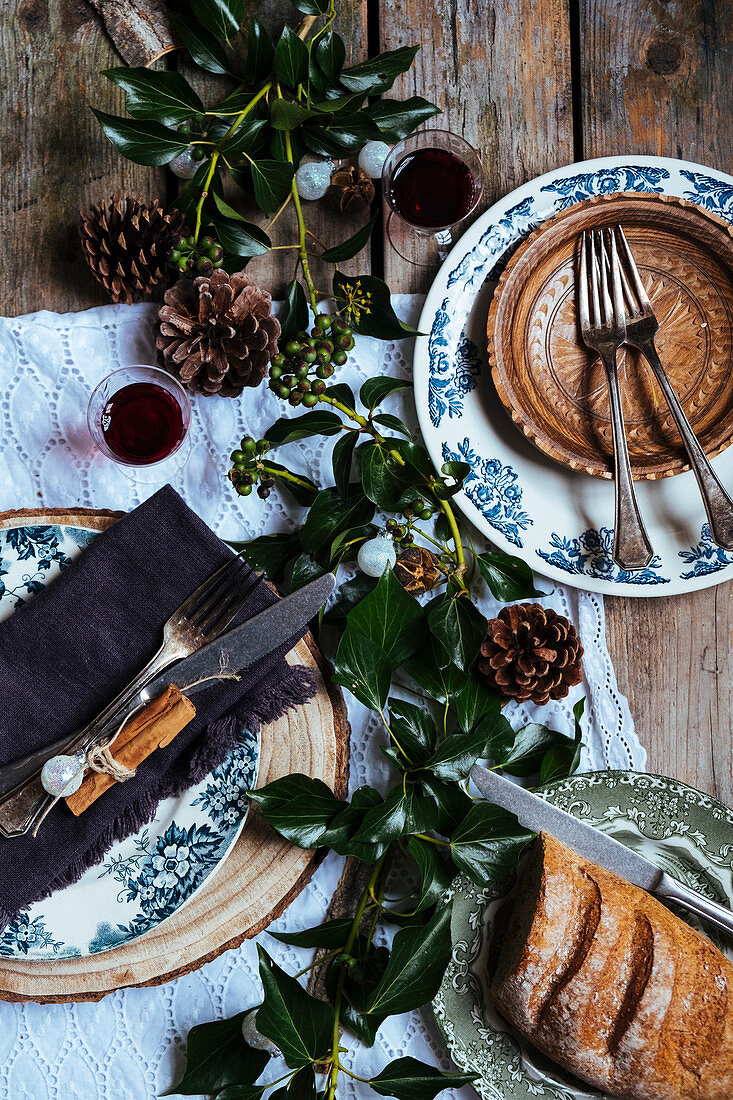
(685, 832)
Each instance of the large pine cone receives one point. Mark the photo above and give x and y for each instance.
(217, 333)
(531, 654)
(127, 244)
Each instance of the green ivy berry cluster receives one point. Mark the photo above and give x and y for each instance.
(298, 374)
(197, 257)
(248, 469)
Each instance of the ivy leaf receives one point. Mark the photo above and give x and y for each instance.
(476, 702)
(142, 142)
(488, 843)
(305, 569)
(345, 546)
(396, 119)
(217, 1056)
(508, 578)
(436, 874)
(341, 832)
(245, 141)
(341, 458)
(312, 7)
(365, 303)
(457, 628)
(260, 52)
(203, 46)
(289, 428)
(291, 59)
(328, 934)
(441, 683)
(286, 115)
(531, 743)
(391, 618)
(342, 393)
(347, 132)
(330, 514)
(269, 552)
(378, 74)
(271, 181)
(187, 199)
(349, 595)
(158, 94)
(452, 801)
(330, 54)
(222, 17)
(383, 478)
(375, 390)
(387, 420)
(563, 758)
(404, 811)
(239, 237)
(414, 730)
(352, 246)
(408, 1079)
(301, 488)
(293, 317)
(362, 976)
(363, 667)
(298, 807)
(301, 1025)
(415, 968)
(458, 752)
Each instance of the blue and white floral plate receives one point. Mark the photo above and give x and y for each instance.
(150, 875)
(685, 832)
(558, 520)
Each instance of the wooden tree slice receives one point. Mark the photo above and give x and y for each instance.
(259, 879)
(555, 389)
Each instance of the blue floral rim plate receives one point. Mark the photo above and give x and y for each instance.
(685, 832)
(558, 520)
(150, 875)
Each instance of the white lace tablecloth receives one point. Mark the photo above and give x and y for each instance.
(130, 1046)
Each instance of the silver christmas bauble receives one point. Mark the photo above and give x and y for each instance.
(62, 775)
(184, 166)
(255, 1038)
(372, 158)
(313, 178)
(375, 555)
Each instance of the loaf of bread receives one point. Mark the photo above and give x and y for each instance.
(607, 982)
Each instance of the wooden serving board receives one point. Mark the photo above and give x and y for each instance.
(555, 389)
(258, 880)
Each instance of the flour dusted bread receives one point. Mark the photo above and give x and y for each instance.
(608, 983)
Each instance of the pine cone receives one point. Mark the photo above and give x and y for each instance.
(351, 190)
(417, 571)
(127, 243)
(216, 333)
(531, 653)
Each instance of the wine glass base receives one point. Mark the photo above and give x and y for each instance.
(159, 473)
(408, 243)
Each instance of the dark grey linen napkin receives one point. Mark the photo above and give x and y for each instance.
(65, 654)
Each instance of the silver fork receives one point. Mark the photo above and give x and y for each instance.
(603, 329)
(641, 327)
(201, 618)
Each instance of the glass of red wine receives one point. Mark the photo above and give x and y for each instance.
(139, 417)
(432, 182)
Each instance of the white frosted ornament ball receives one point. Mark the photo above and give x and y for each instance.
(372, 158)
(375, 555)
(62, 775)
(313, 178)
(184, 166)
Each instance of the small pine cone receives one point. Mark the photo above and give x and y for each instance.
(351, 190)
(531, 653)
(417, 570)
(216, 333)
(127, 244)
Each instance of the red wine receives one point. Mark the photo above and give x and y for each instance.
(432, 188)
(142, 423)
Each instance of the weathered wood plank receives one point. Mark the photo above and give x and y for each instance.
(500, 72)
(655, 78)
(55, 158)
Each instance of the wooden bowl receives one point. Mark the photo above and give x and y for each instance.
(555, 390)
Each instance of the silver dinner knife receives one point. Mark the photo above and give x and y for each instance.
(540, 816)
(22, 802)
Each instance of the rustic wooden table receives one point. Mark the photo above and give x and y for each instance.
(533, 84)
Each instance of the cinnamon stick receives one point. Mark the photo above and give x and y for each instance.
(152, 728)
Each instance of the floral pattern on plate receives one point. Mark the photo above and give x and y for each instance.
(684, 831)
(705, 557)
(148, 876)
(561, 509)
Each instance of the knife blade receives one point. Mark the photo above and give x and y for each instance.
(538, 815)
(234, 651)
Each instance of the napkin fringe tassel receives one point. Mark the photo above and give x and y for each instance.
(221, 736)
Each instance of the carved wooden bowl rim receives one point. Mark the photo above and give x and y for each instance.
(501, 319)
